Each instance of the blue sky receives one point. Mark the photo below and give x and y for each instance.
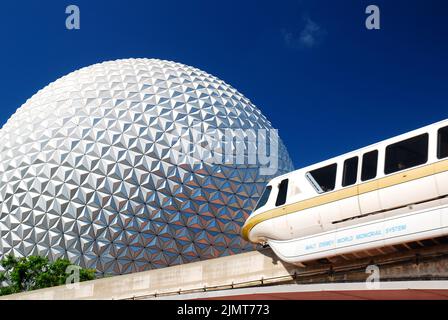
(326, 82)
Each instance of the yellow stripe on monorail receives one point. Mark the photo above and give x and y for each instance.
(373, 185)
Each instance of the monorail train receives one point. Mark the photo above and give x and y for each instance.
(388, 193)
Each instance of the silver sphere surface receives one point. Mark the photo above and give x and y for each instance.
(85, 171)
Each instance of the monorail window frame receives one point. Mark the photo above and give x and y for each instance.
(439, 152)
(283, 192)
(344, 171)
(391, 156)
(362, 177)
(316, 185)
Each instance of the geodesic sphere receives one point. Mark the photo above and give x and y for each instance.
(86, 171)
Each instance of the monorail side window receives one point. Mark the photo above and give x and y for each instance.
(350, 171)
(406, 154)
(264, 197)
(442, 143)
(282, 192)
(323, 179)
(369, 165)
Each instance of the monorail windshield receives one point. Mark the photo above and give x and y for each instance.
(264, 197)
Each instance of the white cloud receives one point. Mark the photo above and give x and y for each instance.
(309, 36)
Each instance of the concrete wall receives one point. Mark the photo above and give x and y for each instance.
(237, 270)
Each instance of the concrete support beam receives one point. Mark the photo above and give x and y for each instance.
(237, 270)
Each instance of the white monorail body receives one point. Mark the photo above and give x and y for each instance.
(391, 192)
